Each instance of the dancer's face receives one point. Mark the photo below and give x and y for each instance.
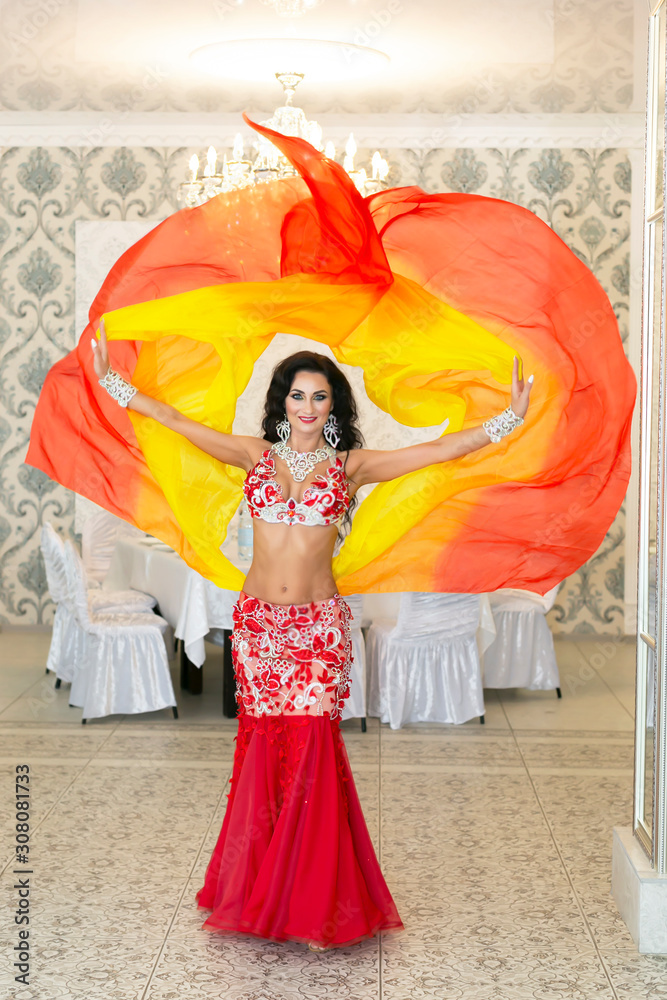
(308, 402)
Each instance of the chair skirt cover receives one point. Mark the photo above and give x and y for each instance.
(67, 642)
(67, 638)
(126, 670)
(523, 654)
(426, 668)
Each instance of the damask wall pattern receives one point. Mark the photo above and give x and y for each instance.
(584, 195)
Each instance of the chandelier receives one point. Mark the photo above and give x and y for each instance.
(269, 163)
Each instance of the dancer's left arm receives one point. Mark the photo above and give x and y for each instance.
(364, 466)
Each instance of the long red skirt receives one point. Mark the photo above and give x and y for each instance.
(294, 860)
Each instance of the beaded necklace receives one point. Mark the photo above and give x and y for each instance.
(300, 463)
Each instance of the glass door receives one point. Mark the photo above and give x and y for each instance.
(649, 798)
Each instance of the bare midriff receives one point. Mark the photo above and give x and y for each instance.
(291, 563)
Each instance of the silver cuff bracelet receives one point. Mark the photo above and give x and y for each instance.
(502, 425)
(117, 387)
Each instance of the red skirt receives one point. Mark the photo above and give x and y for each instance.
(294, 859)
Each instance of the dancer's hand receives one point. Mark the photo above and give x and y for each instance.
(101, 353)
(520, 391)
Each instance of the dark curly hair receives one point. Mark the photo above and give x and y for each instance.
(344, 407)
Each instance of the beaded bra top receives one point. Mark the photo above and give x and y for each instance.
(325, 500)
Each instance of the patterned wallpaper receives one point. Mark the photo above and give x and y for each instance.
(584, 195)
(42, 68)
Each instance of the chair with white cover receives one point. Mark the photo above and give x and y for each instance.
(98, 540)
(426, 667)
(355, 703)
(125, 670)
(66, 637)
(107, 601)
(522, 655)
(111, 602)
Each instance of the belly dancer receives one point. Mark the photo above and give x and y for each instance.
(294, 860)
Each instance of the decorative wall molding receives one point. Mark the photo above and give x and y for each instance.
(385, 131)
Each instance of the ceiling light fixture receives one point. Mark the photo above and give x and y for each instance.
(248, 59)
(269, 163)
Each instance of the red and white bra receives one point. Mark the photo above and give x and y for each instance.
(325, 500)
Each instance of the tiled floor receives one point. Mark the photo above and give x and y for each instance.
(495, 841)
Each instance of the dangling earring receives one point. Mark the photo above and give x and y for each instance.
(330, 431)
(283, 429)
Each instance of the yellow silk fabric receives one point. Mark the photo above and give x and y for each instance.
(412, 347)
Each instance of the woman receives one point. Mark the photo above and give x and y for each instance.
(294, 860)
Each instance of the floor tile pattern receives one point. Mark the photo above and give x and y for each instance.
(495, 841)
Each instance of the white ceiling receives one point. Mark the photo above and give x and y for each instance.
(480, 56)
(428, 43)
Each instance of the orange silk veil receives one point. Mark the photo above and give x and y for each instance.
(432, 296)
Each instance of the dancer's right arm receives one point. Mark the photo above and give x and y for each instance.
(232, 449)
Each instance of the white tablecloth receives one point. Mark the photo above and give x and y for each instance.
(193, 606)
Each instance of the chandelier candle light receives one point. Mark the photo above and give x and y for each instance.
(235, 173)
(379, 168)
(269, 163)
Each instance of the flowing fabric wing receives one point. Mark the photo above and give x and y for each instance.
(432, 295)
(535, 507)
